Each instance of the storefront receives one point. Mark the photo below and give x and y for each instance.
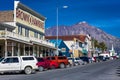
(24, 33)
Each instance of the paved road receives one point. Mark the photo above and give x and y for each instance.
(109, 70)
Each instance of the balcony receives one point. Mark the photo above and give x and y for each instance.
(12, 35)
(42, 42)
(15, 36)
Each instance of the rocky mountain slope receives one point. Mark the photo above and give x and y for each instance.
(85, 28)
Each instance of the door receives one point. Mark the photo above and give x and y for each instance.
(10, 64)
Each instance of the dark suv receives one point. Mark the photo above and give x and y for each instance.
(62, 61)
(85, 59)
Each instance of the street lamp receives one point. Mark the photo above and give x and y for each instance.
(57, 17)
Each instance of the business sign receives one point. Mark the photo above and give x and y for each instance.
(28, 18)
(63, 49)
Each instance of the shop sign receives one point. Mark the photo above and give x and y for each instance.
(63, 49)
(30, 19)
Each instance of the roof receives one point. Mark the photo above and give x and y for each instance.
(69, 37)
(9, 27)
(54, 41)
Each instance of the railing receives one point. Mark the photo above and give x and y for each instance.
(44, 42)
(4, 34)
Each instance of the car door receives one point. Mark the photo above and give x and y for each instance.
(10, 64)
(5, 65)
(15, 63)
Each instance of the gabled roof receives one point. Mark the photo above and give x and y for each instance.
(68, 38)
(55, 41)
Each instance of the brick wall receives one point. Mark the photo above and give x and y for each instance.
(6, 16)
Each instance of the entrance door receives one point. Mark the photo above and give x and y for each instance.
(1, 55)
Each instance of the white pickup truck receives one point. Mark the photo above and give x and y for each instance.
(18, 63)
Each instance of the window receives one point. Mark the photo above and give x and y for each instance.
(51, 58)
(35, 34)
(11, 60)
(19, 30)
(27, 58)
(61, 57)
(1, 59)
(15, 60)
(27, 32)
(40, 36)
(80, 44)
(40, 59)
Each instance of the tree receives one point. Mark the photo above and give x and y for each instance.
(102, 46)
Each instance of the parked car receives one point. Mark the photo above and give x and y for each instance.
(62, 61)
(44, 63)
(114, 57)
(101, 58)
(1, 59)
(79, 61)
(75, 61)
(18, 63)
(85, 59)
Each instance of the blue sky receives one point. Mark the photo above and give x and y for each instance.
(104, 14)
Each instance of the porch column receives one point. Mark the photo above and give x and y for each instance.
(24, 49)
(29, 50)
(33, 50)
(5, 48)
(18, 49)
(12, 48)
(37, 51)
(41, 52)
(45, 52)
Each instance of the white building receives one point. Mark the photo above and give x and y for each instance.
(22, 32)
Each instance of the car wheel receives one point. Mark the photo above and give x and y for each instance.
(28, 70)
(76, 64)
(62, 65)
(40, 68)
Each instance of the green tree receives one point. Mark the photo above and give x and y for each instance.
(102, 46)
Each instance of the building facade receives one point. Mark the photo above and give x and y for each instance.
(22, 32)
(62, 47)
(79, 45)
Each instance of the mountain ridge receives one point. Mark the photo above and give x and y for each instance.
(85, 28)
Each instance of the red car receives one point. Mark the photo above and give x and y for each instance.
(46, 64)
(61, 61)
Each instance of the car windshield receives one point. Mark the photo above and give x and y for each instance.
(77, 58)
(69, 58)
(1, 59)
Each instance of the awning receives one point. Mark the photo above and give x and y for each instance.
(84, 51)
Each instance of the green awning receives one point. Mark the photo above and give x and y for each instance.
(84, 51)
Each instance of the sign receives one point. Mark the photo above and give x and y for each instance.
(63, 49)
(30, 19)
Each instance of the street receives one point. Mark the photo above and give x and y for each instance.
(109, 70)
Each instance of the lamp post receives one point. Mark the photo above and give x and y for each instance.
(57, 20)
(57, 27)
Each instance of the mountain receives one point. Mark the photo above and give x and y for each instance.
(85, 28)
